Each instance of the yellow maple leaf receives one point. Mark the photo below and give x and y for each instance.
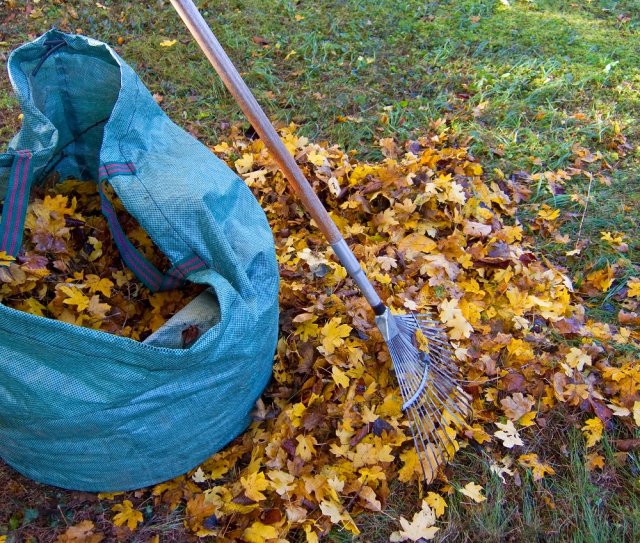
(333, 334)
(58, 205)
(33, 306)
(336, 514)
(168, 43)
(592, 430)
(310, 534)
(306, 447)
(419, 243)
(614, 239)
(97, 248)
(96, 284)
(316, 158)
(126, 514)
(452, 316)
(339, 377)
(595, 461)
(253, 486)
(528, 419)
(75, 297)
(633, 285)
(547, 213)
(281, 481)
(244, 164)
(307, 326)
(97, 309)
(473, 491)
(420, 528)
(422, 340)
(411, 467)
(539, 469)
(437, 503)
(602, 279)
(259, 532)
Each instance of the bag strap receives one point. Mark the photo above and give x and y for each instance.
(14, 211)
(144, 270)
(15, 204)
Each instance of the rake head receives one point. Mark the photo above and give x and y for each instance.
(429, 382)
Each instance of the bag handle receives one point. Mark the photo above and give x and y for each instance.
(14, 209)
(144, 270)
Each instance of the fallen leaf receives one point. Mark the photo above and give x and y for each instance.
(473, 491)
(421, 526)
(508, 435)
(126, 514)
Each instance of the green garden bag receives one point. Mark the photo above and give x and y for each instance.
(87, 410)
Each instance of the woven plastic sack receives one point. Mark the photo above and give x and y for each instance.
(87, 410)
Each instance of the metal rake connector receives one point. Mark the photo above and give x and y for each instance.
(429, 383)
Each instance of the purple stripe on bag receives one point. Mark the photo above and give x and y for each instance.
(193, 267)
(178, 274)
(16, 201)
(116, 168)
(129, 254)
(16, 229)
(11, 199)
(117, 165)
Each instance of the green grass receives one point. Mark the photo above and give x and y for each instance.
(520, 84)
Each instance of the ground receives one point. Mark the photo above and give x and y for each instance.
(543, 94)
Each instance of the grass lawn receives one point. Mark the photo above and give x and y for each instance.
(532, 88)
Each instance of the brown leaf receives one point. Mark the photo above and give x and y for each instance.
(242, 499)
(629, 319)
(289, 445)
(513, 382)
(627, 445)
(80, 533)
(271, 516)
(359, 435)
(528, 258)
(569, 327)
(380, 426)
(601, 410)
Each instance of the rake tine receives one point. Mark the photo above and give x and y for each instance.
(453, 407)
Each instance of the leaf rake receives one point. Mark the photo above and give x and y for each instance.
(420, 351)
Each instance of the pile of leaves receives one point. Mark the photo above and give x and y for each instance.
(434, 233)
(69, 267)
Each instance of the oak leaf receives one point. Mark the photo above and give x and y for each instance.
(516, 406)
(508, 434)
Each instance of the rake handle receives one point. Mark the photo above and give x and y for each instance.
(260, 122)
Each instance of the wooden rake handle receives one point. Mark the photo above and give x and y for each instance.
(250, 107)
